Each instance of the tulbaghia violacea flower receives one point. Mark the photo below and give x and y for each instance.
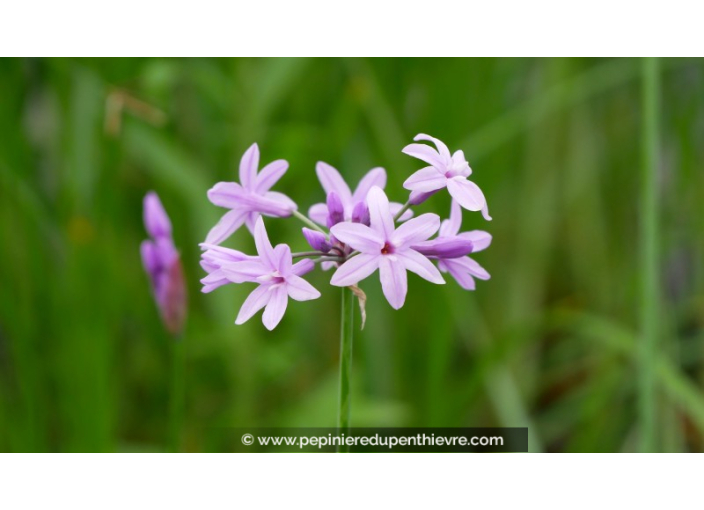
(277, 276)
(445, 171)
(344, 205)
(163, 265)
(387, 248)
(249, 198)
(450, 250)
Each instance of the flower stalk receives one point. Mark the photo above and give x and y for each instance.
(346, 337)
(176, 394)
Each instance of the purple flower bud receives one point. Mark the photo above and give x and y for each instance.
(163, 265)
(418, 197)
(317, 240)
(155, 219)
(445, 247)
(336, 210)
(360, 213)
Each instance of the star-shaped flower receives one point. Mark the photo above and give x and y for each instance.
(250, 198)
(387, 248)
(445, 171)
(277, 276)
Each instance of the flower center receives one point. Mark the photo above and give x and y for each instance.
(387, 249)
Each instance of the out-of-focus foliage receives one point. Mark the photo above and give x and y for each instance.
(549, 342)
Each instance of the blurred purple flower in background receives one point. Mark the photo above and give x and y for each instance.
(163, 265)
(387, 248)
(446, 171)
(249, 198)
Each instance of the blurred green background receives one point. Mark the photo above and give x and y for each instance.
(550, 342)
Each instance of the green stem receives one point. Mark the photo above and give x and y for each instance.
(403, 209)
(309, 222)
(649, 257)
(346, 330)
(176, 394)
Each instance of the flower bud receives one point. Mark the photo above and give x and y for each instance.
(360, 213)
(418, 197)
(445, 247)
(317, 240)
(336, 211)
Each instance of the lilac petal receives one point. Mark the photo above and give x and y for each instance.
(355, 269)
(394, 280)
(395, 207)
(485, 212)
(149, 257)
(442, 148)
(302, 267)
(300, 290)
(375, 177)
(270, 175)
(284, 261)
(251, 221)
(232, 196)
(426, 179)
(318, 213)
(317, 240)
(452, 226)
(331, 180)
(445, 247)
(416, 230)
(264, 248)
(418, 197)
(221, 254)
(257, 300)
(463, 278)
(380, 213)
(280, 205)
(327, 265)
(480, 239)
(360, 213)
(472, 267)
(245, 271)
(336, 210)
(460, 165)
(231, 221)
(156, 220)
(275, 308)
(227, 194)
(420, 265)
(425, 153)
(213, 281)
(466, 193)
(358, 236)
(249, 164)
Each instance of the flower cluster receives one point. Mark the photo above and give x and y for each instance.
(355, 233)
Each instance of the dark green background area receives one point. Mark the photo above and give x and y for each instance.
(550, 342)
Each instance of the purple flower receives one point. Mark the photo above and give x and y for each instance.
(445, 171)
(462, 268)
(387, 248)
(250, 198)
(163, 265)
(345, 205)
(277, 276)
